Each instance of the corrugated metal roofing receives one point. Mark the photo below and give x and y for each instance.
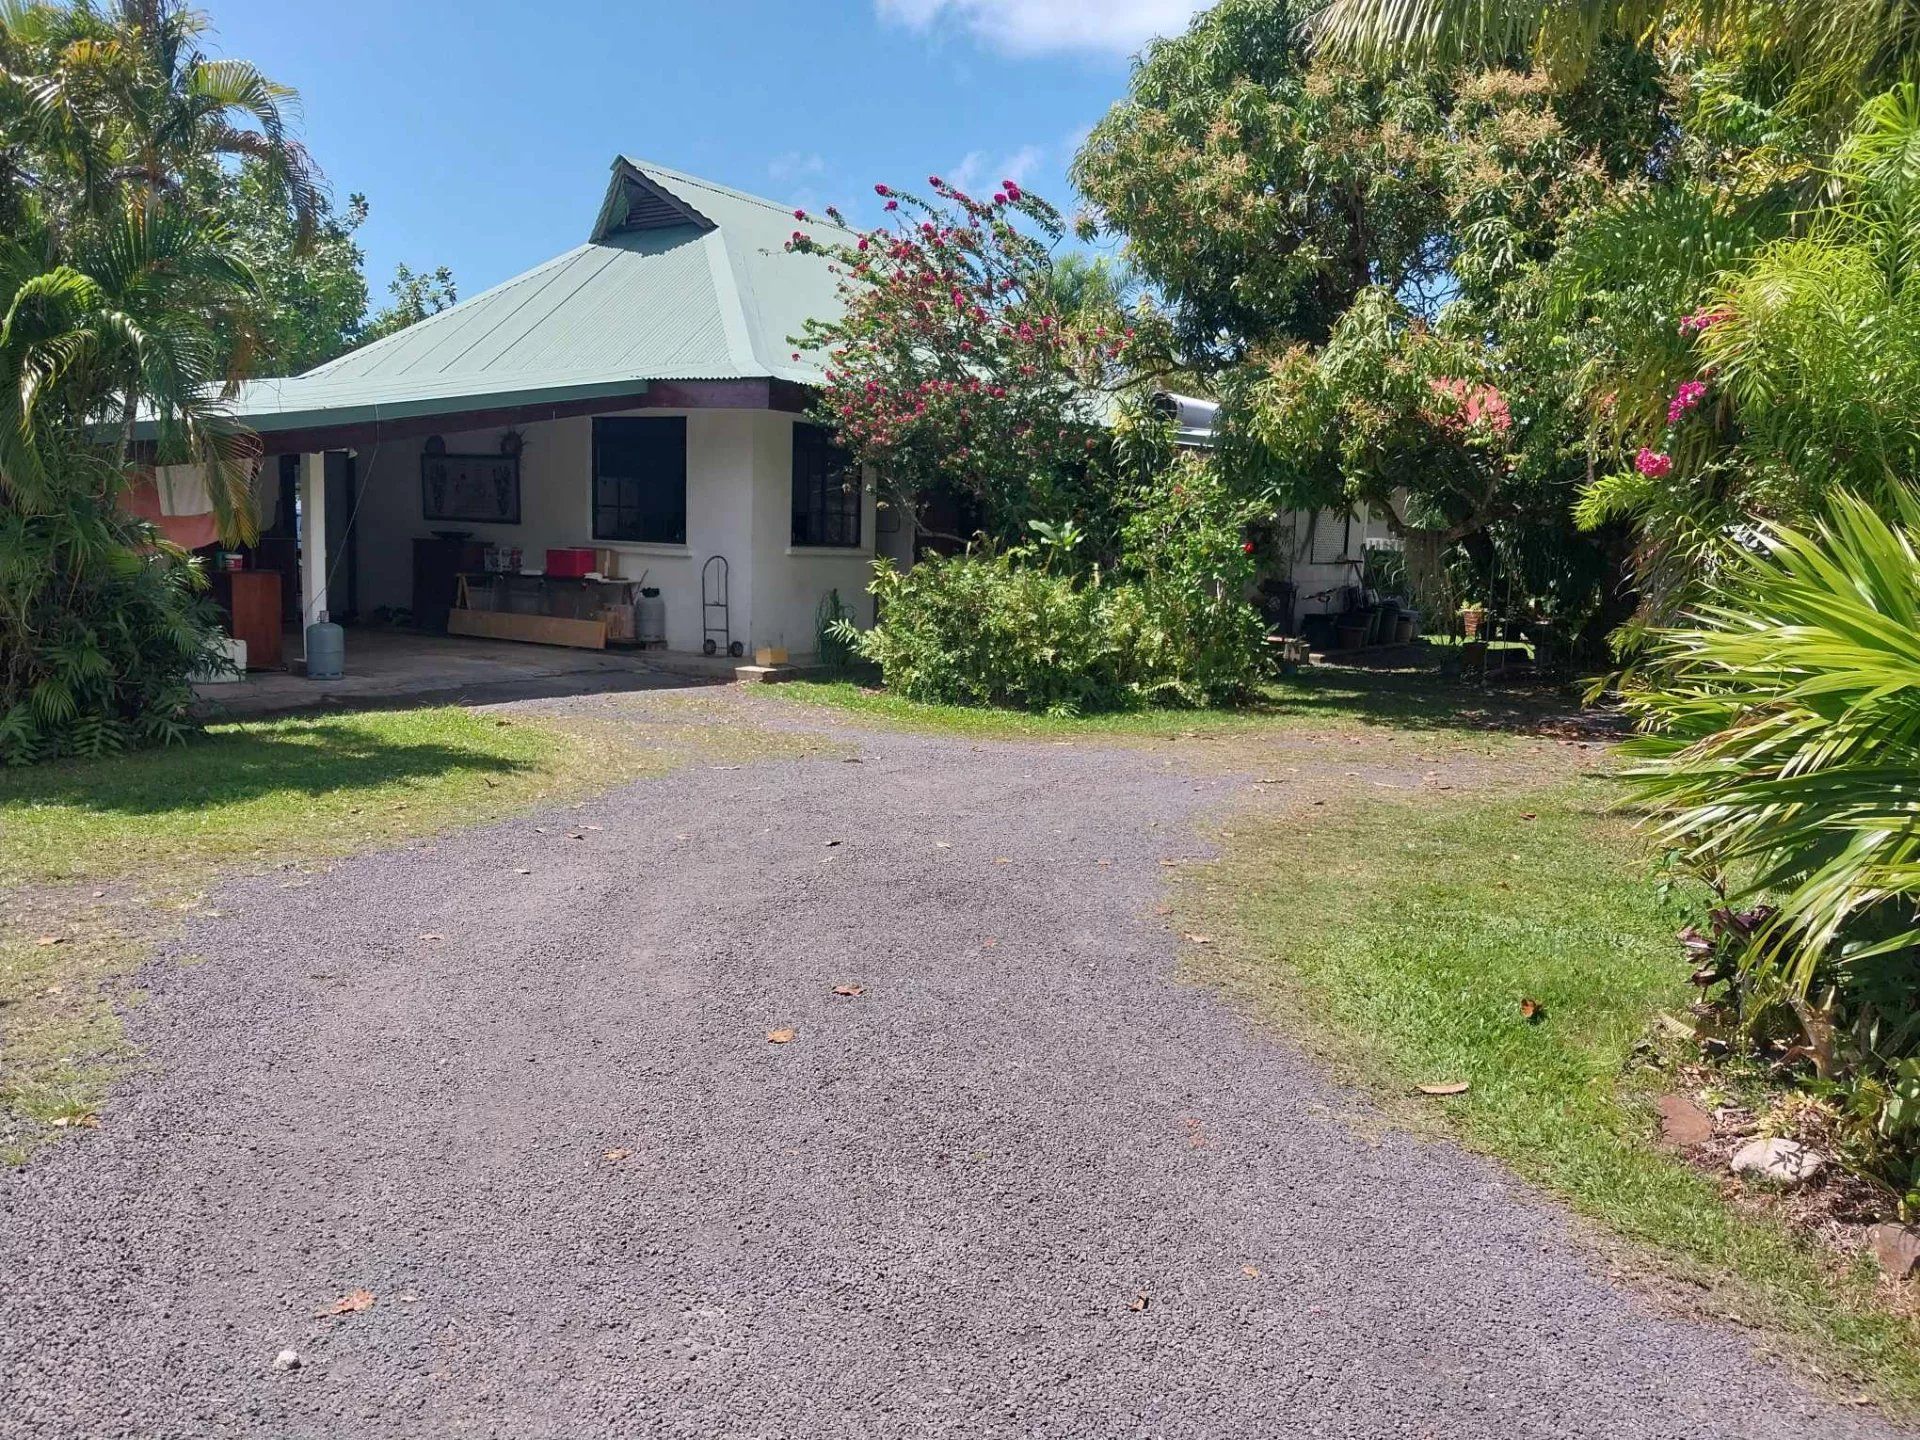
(677, 300)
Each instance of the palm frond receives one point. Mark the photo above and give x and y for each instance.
(1782, 738)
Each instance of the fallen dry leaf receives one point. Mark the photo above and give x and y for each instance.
(51, 940)
(619, 1152)
(849, 990)
(1002, 860)
(1528, 815)
(1531, 1010)
(433, 935)
(781, 1036)
(1445, 1087)
(1140, 1301)
(89, 1121)
(1201, 939)
(522, 870)
(1250, 1272)
(942, 845)
(349, 1304)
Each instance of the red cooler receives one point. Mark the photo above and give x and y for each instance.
(570, 563)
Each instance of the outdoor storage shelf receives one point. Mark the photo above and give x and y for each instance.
(542, 609)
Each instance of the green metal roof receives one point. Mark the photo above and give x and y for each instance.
(682, 280)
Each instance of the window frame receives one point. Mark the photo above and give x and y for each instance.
(603, 426)
(813, 447)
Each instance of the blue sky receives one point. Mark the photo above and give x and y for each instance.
(481, 131)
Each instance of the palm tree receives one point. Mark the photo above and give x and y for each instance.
(127, 99)
(121, 329)
(114, 285)
(1830, 52)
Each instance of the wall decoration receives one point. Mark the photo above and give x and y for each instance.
(484, 489)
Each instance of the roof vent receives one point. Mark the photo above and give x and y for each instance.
(636, 202)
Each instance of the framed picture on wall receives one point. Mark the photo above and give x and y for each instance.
(484, 489)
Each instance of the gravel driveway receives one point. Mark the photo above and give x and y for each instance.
(518, 1086)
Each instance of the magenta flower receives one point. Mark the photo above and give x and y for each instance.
(1654, 464)
(893, 205)
(799, 214)
(1684, 399)
(881, 190)
(1013, 190)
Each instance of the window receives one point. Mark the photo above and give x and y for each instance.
(640, 480)
(826, 490)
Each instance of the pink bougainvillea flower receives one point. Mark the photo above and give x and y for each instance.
(1247, 548)
(893, 205)
(881, 190)
(799, 214)
(1684, 399)
(1013, 190)
(1701, 320)
(1654, 464)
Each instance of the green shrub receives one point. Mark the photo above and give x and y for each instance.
(1041, 628)
(98, 638)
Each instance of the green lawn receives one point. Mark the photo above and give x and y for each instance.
(289, 789)
(1401, 945)
(1400, 700)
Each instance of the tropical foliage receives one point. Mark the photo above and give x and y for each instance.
(1822, 55)
(1355, 264)
(120, 300)
(1781, 759)
(996, 395)
(1038, 626)
(965, 364)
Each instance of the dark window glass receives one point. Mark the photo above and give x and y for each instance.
(826, 490)
(640, 479)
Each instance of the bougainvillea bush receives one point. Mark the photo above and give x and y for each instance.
(1100, 569)
(961, 367)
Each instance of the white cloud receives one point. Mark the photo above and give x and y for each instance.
(978, 172)
(795, 165)
(1032, 27)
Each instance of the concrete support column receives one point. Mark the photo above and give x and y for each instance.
(313, 541)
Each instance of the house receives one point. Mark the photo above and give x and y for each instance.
(637, 398)
(637, 395)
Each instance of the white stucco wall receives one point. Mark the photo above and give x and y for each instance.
(1317, 551)
(739, 505)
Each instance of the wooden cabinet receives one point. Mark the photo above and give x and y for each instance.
(437, 565)
(250, 600)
